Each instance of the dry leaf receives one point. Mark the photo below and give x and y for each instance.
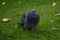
(52, 21)
(54, 28)
(3, 3)
(16, 26)
(54, 4)
(57, 14)
(5, 19)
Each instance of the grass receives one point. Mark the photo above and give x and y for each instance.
(14, 9)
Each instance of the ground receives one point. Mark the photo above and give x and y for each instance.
(48, 27)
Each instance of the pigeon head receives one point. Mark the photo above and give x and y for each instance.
(33, 11)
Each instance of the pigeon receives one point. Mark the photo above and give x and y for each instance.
(30, 19)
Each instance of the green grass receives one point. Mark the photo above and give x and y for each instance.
(14, 9)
